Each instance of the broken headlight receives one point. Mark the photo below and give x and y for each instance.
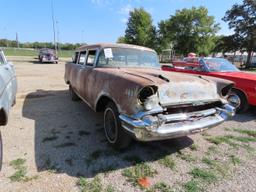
(148, 97)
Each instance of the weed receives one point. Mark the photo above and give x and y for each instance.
(90, 186)
(235, 160)
(186, 157)
(192, 186)
(248, 132)
(209, 162)
(167, 162)
(18, 163)
(204, 174)
(139, 171)
(160, 187)
(193, 147)
(20, 171)
(110, 188)
(19, 175)
(212, 149)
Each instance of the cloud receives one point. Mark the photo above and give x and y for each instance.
(125, 10)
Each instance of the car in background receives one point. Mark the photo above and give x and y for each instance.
(141, 101)
(243, 94)
(8, 90)
(47, 56)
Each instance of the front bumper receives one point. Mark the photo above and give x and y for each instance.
(159, 127)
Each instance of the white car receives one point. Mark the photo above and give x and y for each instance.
(8, 90)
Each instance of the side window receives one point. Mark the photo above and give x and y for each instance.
(82, 57)
(75, 57)
(1, 59)
(91, 57)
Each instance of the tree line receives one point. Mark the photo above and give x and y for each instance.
(38, 45)
(193, 30)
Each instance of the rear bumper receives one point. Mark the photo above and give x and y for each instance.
(160, 127)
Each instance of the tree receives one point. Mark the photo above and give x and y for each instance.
(228, 44)
(121, 39)
(190, 30)
(140, 30)
(242, 18)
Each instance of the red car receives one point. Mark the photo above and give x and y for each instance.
(243, 94)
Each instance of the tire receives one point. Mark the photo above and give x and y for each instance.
(1, 151)
(73, 95)
(241, 103)
(114, 132)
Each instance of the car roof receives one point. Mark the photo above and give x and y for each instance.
(113, 45)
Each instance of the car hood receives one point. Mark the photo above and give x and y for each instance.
(175, 88)
(237, 75)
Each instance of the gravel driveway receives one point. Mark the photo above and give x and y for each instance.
(54, 144)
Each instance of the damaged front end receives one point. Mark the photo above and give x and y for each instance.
(178, 109)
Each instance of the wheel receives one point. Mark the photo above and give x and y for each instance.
(1, 151)
(114, 132)
(238, 100)
(73, 95)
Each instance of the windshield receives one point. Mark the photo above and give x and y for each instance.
(220, 65)
(127, 57)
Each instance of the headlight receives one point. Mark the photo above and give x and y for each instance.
(151, 102)
(148, 98)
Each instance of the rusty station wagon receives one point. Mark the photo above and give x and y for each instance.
(141, 101)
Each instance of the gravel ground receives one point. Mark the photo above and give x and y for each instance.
(61, 143)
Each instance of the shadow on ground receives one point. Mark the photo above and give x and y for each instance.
(36, 61)
(250, 115)
(69, 138)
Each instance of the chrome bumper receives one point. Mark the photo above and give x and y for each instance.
(158, 126)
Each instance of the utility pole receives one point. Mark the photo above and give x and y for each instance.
(17, 40)
(54, 30)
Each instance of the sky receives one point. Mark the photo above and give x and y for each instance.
(91, 21)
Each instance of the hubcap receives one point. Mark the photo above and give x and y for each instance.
(234, 100)
(110, 125)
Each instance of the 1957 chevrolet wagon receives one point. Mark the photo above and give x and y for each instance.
(141, 101)
(8, 89)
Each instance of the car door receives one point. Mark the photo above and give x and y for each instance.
(6, 75)
(76, 72)
(88, 76)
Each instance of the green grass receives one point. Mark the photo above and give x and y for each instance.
(167, 162)
(160, 187)
(20, 171)
(248, 132)
(186, 157)
(90, 186)
(235, 160)
(137, 172)
(209, 162)
(110, 188)
(192, 186)
(204, 174)
(18, 163)
(32, 52)
(193, 147)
